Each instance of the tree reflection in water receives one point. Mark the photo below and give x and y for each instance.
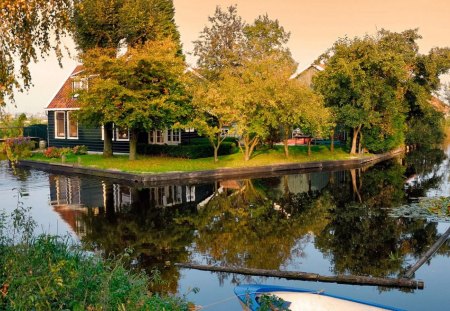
(245, 228)
(260, 223)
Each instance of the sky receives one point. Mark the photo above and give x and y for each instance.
(314, 26)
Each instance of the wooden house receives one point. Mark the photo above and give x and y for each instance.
(64, 130)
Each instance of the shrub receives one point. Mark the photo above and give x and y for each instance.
(79, 150)
(49, 273)
(66, 151)
(191, 151)
(17, 148)
(52, 152)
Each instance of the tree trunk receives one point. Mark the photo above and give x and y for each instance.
(253, 144)
(332, 141)
(285, 142)
(355, 186)
(107, 140)
(249, 146)
(360, 143)
(216, 153)
(246, 153)
(355, 139)
(309, 147)
(305, 276)
(133, 144)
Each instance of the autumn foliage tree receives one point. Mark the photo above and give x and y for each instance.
(141, 90)
(28, 30)
(247, 68)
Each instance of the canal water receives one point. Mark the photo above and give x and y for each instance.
(321, 222)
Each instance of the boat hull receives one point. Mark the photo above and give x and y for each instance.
(302, 299)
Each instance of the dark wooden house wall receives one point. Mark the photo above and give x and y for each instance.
(92, 137)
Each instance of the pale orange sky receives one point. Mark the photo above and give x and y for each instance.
(314, 26)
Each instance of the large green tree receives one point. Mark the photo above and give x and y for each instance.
(380, 87)
(140, 91)
(28, 30)
(365, 83)
(115, 25)
(109, 23)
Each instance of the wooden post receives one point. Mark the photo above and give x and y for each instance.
(433, 249)
(305, 276)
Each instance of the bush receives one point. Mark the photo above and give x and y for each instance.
(52, 152)
(79, 150)
(17, 148)
(49, 273)
(195, 150)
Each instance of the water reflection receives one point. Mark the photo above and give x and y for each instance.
(269, 223)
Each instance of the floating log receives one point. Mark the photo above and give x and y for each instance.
(305, 276)
(433, 249)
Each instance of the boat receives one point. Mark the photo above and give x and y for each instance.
(294, 299)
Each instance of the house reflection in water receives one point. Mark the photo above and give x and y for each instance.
(75, 196)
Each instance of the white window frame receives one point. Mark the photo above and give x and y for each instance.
(152, 135)
(56, 125)
(79, 84)
(68, 126)
(116, 130)
(171, 134)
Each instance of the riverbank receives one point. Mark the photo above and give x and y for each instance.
(90, 164)
(47, 272)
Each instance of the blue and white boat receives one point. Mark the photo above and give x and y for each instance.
(302, 299)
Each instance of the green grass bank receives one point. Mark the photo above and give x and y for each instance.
(163, 164)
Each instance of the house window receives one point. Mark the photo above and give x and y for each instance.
(60, 129)
(190, 193)
(151, 137)
(122, 134)
(79, 84)
(159, 137)
(173, 136)
(72, 126)
(156, 137)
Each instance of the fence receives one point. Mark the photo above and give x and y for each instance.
(36, 131)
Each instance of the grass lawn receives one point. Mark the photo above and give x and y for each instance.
(160, 164)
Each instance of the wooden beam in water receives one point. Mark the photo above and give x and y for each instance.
(433, 249)
(305, 276)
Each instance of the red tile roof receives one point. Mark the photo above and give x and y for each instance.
(63, 99)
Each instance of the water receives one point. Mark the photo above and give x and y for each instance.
(326, 222)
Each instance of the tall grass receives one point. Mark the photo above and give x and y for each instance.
(50, 273)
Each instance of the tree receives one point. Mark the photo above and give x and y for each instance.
(375, 84)
(108, 23)
(220, 45)
(247, 68)
(141, 90)
(364, 81)
(28, 29)
(115, 25)
(316, 120)
(212, 115)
